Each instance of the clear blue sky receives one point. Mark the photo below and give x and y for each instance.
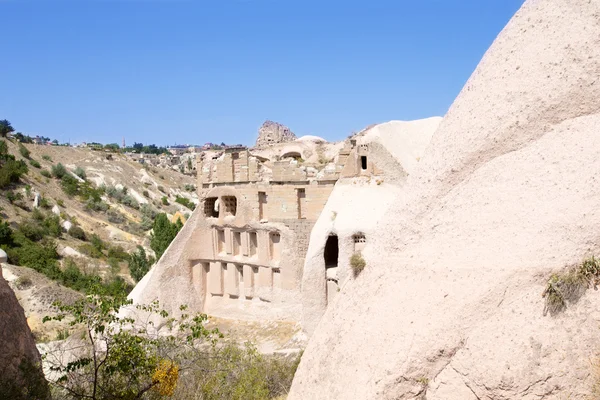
(197, 71)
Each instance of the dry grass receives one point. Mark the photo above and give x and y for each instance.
(568, 286)
(358, 263)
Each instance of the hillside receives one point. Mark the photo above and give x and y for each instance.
(113, 201)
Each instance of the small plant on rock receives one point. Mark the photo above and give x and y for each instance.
(568, 287)
(357, 263)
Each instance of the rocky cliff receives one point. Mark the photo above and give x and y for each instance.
(20, 363)
(450, 304)
(272, 133)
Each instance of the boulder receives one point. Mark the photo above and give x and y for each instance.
(66, 225)
(22, 377)
(56, 210)
(450, 306)
(36, 200)
(3, 256)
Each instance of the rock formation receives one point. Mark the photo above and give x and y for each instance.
(449, 305)
(20, 363)
(272, 133)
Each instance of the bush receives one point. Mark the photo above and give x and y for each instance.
(90, 251)
(189, 188)
(44, 203)
(77, 232)
(80, 172)
(357, 263)
(52, 225)
(11, 171)
(139, 264)
(34, 163)
(163, 234)
(118, 253)
(46, 173)
(32, 231)
(13, 197)
(24, 282)
(60, 203)
(185, 202)
(569, 286)
(47, 157)
(115, 217)
(94, 205)
(59, 171)
(23, 150)
(131, 202)
(39, 256)
(165, 201)
(6, 235)
(148, 211)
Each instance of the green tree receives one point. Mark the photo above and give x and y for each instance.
(5, 128)
(163, 234)
(139, 264)
(122, 359)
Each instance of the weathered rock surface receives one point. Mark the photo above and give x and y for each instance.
(20, 371)
(449, 305)
(272, 133)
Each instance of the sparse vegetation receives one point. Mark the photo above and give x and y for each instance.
(46, 173)
(568, 286)
(34, 163)
(185, 202)
(23, 151)
(47, 158)
(357, 263)
(59, 171)
(164, 201)
(186, 361)
(23, 282)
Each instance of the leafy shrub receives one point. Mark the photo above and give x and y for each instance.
(165, 201)
(69, 185)
(77, 232)
(146, 224)
(59, 171)
(52, 225)
(60, 203)
(34, 163)
(13, 197)
(357, 263)
(44, 203)
(46, 173)
(39, 256)
(94, 205)
(80, 172)
(115, 217)
(6, 235)
(139, 264)
(11, 171)
(148, 211)
(163, 234)
(32, 231)
(90, 251)
(185, 202)
(47, 157)
(23, 150)
(115, 268)
(118, 253)
(130, 201)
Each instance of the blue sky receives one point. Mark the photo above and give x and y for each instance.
(197, 71)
